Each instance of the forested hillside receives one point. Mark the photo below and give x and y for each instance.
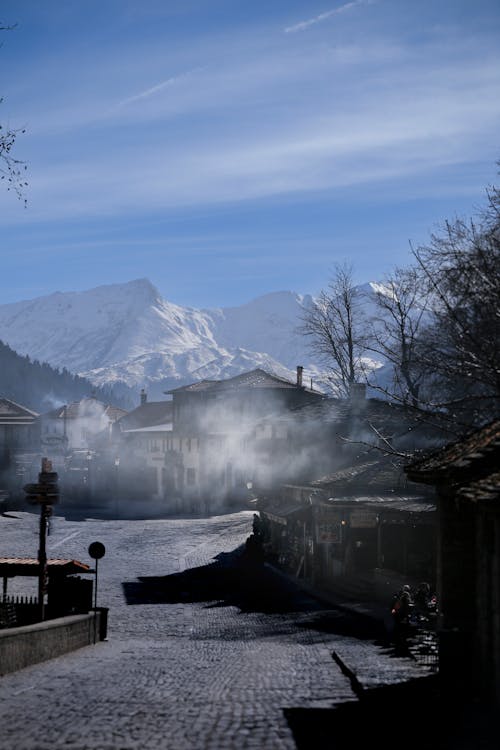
(41, 387)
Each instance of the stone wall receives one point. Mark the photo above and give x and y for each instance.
(20, 647)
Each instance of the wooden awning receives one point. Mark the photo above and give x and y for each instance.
(11, 567)
(281, 514)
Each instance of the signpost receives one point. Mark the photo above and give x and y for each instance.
(96, 551)
(45, 493)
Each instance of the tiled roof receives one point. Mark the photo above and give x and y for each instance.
(280, 513)
(375, 475)
(472, 454)
(346, 474)
(86, 407)
(322, 409)
(397, 502)
(485, 490)
(201, 385)
(389, 418)
(114, 413)
(154, 428)
(147, 415)
(12, 413)
(29, 566)
(254, 379)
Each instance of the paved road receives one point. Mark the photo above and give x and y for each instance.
(201, 653)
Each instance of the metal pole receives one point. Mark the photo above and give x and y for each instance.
(305, 549)
(42, 561)
(95, 600)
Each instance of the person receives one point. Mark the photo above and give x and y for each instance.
(256, 525)
(401, 610)
(253, 551)
(422, 599)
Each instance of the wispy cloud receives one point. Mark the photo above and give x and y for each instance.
(253, 118)
(378, 142)
(325, 16)
(167, 83)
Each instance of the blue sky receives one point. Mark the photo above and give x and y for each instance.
(225, 149)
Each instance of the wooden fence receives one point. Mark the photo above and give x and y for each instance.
(16, 611)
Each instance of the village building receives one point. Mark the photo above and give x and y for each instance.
(78, 438)
(19, 444)
(213, 437)
(142, 446)
(364, 527)
(315, 439)
(74, 427)
(467, 479)
(346, 515)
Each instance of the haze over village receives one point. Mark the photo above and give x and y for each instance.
(249, 374)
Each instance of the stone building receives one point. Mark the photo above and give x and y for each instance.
(213, 435)
(466, 475)
(19, 444)
(364, 527)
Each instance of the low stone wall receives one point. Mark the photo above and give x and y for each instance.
(20, 647)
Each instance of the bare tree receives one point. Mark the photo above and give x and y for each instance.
(336, 328)
(461, 345)
(12, 170)
(395, 329)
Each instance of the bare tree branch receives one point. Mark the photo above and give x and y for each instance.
(336, 327)
(12, 170)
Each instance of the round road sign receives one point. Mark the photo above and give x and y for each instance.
(97, 550)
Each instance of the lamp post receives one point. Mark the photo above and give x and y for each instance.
(96, 551)
(117, 466)
(45, 493)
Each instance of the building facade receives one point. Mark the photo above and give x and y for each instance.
(466, 476)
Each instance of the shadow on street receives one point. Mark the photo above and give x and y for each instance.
(235, 580)
(232, 580)
(413, 715)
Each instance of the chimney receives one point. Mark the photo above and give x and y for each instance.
(300, 370)
(144, 396)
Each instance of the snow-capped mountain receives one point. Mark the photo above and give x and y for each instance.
(127, 333)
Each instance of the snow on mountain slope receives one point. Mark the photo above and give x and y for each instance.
(128, 333)
(267, 324)
(83, 330)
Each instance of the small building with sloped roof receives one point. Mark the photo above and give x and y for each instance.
(467, 480)
(18, 427)
(73, 427)
(207, 403)
(365, 522)
(213, 455)
(19, 442)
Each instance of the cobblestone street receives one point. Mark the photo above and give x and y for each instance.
(189, 663)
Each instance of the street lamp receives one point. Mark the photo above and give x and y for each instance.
(117, 464)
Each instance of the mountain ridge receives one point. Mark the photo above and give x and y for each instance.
(128, 333)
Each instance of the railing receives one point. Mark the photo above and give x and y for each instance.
(425, 650)
(18, 610)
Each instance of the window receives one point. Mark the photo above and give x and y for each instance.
(190, 476)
